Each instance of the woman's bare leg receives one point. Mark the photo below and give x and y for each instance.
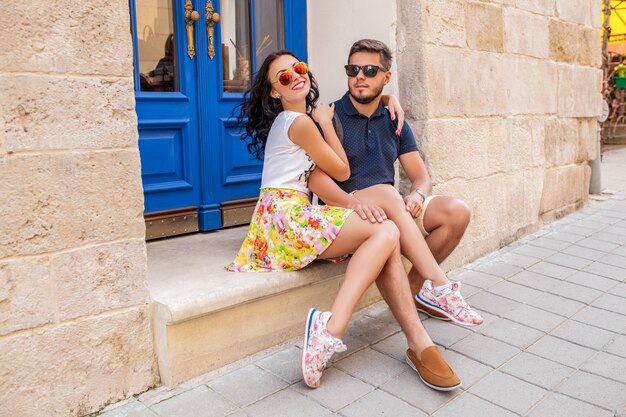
(412, 242)
(371, 246)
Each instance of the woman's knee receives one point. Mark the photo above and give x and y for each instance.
(389, 231)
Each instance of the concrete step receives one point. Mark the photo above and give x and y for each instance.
(206, 317)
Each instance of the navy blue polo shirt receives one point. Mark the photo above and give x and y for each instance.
(371, 145)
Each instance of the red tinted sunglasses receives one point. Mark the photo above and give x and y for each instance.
(286, 76)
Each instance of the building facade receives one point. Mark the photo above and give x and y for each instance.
(114, 110)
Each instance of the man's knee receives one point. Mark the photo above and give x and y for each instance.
(459, 214)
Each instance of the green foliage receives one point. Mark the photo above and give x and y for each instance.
(620, 70)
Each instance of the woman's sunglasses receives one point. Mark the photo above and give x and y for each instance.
(286, 76)
(368, 70)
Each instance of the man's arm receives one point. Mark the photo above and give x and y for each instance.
(420, 179)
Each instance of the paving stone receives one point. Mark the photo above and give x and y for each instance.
(552, 270)
(569, 261)
(284, 364)
(372, 367)
(286, 403)
(200, 401)
(555, 304)
(508, 392)
(471, 405)
(621, 251)
(478, 279)
(159, 394)
(576, 292)
(510, 332)
(371, 329)
(468, 290)
(247, 385)
(395, 345)
(498, 269)
(583, 334)
(445, 333)
(537, 370)
(578, 230)
(582, 252)
(492, 303)
(607, 236)
(553, 244)
(239, 413)
(614, 260)
(595, 390)
(408, 387)
(514, 291)
(535, 280)
(619, 290)
(601, 217)
(605, 270)
(468, 369)
(608, 366)
(598, 245)
(564, 236)
(380, 403)
(591, 280)
(131, 409)
(517, 259)
(558, 405)
(380, 311)
(485, 350)
(561, 351)
(534, 251)
(534, 317)
(611, 303)
(617, 346)
(337, 389)
(601, 318)
(590, 224)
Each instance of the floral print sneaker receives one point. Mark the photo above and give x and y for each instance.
(318, 347)
(449, 302)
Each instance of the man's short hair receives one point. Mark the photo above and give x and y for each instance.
(372, 45)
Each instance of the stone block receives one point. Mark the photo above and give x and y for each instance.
(574, 44)
(485, 350)
(576, 11)
(69, 200)
(379, 403)
(526, 33)
(60, 112)
(484, 27)
(545, 7)
(247, 385)
(471, 405)
(595, 390)
(100, 278)
(26, 294)
(530, 85)
(465, 148)
(562, 186)
(287, 402)
(557, 405)
(525, 144)
(508, 392)
(371, 366)
(463, 83)
(443, 23)
(88, 38)
(587, 149)
(77, 367)
(579, 91)
(561, 144)
(537, 370)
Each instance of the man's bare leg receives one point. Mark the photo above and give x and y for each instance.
(395, 289)
(446, 220)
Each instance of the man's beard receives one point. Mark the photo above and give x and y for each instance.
(367, 99)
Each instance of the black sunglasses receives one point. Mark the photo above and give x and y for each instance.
(368, 70)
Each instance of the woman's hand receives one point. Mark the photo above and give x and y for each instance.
(323, 113)
(371, 212)
(396, 111)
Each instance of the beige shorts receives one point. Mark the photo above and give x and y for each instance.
(420, 218)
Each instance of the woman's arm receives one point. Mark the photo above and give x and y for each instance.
(395, 109)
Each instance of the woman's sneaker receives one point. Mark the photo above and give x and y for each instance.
(318, 347)
(449, 302)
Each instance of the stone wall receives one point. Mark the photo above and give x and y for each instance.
(74, 307)
(502, 95)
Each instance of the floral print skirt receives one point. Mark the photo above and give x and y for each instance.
(287, 232)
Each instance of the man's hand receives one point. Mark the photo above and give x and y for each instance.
(414, 203)
(370, 212)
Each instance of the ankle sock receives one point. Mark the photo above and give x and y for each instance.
(441, 289)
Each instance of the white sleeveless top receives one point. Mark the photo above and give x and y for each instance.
(286, 164)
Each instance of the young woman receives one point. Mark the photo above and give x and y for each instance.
(287, 232)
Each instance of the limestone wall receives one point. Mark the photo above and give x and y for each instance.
(502, 95)
(74, 306)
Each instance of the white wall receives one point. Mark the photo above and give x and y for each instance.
(333, 26)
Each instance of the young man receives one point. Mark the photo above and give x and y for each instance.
(372, 143)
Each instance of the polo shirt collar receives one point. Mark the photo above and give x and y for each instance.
(350, 110)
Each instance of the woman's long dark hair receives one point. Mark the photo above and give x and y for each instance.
(260, 108)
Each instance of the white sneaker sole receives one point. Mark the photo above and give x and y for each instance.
(435, 387)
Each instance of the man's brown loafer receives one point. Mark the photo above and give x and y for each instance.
(433, 369)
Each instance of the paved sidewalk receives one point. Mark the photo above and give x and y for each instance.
(553, 343)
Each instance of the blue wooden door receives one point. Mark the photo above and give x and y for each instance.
(189, 140)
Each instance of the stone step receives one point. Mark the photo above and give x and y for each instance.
(205, 317)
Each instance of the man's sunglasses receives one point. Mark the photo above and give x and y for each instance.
(286, 76)
(368, 70)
